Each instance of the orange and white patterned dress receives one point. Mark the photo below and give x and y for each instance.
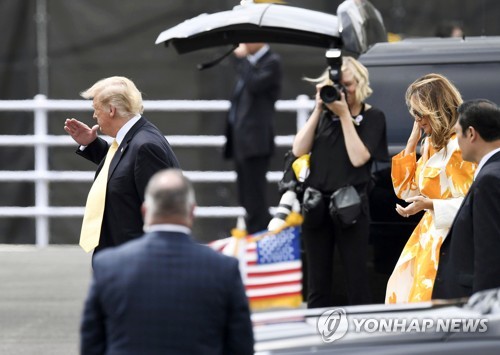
(444, 177)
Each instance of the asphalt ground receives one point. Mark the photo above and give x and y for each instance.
(42, 291)
(41, 299)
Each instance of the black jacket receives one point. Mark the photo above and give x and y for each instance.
(143, 152)
(250, 133)
(470, 255)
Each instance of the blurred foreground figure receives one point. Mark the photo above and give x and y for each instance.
(163, 293)
(139, 149)
(469, 255)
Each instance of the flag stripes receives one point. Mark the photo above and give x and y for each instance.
(269, 281)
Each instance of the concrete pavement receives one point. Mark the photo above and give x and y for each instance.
(41, 299)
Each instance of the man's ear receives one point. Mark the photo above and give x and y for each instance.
(143, 210)
(193, 207)
(191, 214)
(473, 135)
(112, 111)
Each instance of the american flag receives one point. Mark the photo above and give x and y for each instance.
(270, 266)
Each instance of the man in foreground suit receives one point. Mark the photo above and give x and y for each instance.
(164, 293)
(469, 260)
(250, 127)
(142, 151)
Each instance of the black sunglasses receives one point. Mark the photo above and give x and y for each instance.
(416, 114)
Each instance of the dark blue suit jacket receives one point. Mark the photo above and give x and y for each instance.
(469, 257)
(166, 294)
(143, 152)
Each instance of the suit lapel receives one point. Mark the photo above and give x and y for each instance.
(124, 145)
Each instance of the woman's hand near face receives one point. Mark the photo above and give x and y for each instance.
(415, 135)
(356, 149)
(340, 107)
(302, 144)
(317, 98)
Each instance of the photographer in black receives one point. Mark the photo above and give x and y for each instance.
(343, 136)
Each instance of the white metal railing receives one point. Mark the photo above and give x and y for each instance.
(41, 176)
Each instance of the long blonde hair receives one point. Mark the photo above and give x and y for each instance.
(359, 72)
(434, 96)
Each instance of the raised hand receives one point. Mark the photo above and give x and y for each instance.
(80, 132)
(414, 138)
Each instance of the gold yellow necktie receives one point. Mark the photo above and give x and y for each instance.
(94, 208)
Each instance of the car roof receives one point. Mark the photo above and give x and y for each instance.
(419, 51)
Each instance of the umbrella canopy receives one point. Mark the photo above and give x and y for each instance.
(357, 26)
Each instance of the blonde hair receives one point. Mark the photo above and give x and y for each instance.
(359, 72)
(434, 96)
(119, 92)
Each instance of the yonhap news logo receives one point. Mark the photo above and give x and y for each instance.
(332, 325)
(335, 323)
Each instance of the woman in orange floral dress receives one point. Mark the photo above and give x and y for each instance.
(437, 183)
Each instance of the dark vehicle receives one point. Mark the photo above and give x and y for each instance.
(454, 327)
(472, 64)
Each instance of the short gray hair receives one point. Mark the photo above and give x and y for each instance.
(169, 192)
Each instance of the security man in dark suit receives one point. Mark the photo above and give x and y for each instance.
(141, 151)
(164, 293)
(469, 260)
(250, 127)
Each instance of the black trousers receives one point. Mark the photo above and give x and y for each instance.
(320, 239)
(252, 191)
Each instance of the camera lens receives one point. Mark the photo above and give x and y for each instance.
(329, 93)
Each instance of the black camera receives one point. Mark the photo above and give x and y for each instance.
(330, 93)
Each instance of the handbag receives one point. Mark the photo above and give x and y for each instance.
(345, 205)
(313, 207)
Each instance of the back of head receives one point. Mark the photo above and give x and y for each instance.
(119, 92)
(169, 198)
(483, 115)
(434, 96)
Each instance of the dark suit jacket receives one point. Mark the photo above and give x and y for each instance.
(143, 152)
(165, 294)
(252, 103)
(470, 255)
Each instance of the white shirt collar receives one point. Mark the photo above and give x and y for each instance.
(254, 58)
(484, 160)
(167, 228)
(125, 128)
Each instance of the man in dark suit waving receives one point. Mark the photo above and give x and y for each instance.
(139, 149)
(250, 127)
(469, 260)
(164, 293)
